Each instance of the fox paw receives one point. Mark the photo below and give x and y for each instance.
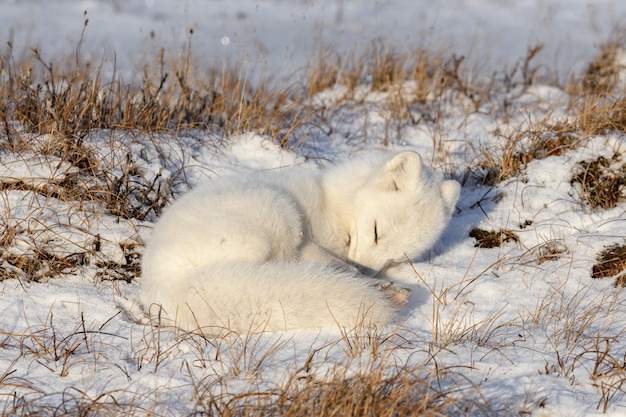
(397, 294)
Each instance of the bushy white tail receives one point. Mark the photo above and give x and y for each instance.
(274, 296)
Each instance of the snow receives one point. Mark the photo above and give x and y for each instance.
(281, 35)
(519, 327)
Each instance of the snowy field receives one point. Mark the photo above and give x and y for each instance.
(520, 328)
(281, 35)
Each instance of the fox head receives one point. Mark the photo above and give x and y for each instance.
(400, 211)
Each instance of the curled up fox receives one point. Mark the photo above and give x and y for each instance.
(293, 249)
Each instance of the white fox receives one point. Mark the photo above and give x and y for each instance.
(293, 249)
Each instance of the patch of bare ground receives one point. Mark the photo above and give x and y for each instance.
(611, 262)
(492, 239)
(601, 182)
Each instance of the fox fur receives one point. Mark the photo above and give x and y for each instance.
(293, 249)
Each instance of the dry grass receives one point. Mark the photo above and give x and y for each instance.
(582, 339)
(541, 140)
(602, 75)
(597, 106)
(72, 99)
(403, 392)
(598, 98)
(379, 387)
(380, 67)
(599, 115)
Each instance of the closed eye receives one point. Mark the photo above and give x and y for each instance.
(375, 233)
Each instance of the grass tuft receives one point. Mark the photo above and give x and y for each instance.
(73, 99)
(603, 73)
(611, 262)
(601, 115)
(404, 392)
(601, 182)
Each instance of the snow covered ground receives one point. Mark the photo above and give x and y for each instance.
(282, 35)
(524, 322)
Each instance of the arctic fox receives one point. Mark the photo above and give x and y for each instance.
(295, 248)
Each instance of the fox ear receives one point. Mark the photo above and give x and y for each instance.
(450, 191)
(401, 172)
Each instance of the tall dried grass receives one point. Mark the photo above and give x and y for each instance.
(73, 98)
